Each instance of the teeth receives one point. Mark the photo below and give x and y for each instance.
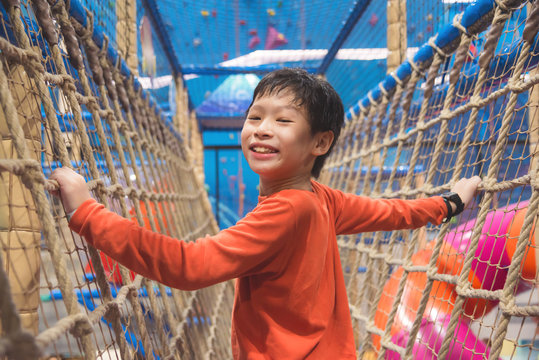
(263, 150)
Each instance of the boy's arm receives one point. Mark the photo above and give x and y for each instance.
(360, 214)
(245, 248)
(238, 251)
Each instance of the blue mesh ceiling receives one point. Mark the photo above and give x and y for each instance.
(240, 33)
(211, 41)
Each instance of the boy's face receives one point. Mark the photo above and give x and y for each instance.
(276, 138)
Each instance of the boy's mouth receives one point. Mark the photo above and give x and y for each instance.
(263, 150)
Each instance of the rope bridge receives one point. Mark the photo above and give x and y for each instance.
(430, 293)
(67, 99)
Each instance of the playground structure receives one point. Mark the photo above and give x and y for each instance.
(465, 104)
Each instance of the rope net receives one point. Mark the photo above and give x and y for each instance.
(469, 288)
(465, 290)
(65, 103)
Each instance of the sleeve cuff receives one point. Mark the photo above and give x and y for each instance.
(69, 215)
(74, 217)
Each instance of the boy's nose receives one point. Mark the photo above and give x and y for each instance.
(264, 129)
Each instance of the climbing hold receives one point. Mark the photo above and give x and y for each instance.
(225, 56)
(420, 36)
(429, 17)
(373, 20)
(429, 28)
(197, 42)
(271, 12)
(280, 4)
(204, 13)
(242, 22)
(411, 29)
(214, 13)
(255, 40)
(274, 39)
(253, 32)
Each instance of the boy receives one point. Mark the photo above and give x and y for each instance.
(290, 298)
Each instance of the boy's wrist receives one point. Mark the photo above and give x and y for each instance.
(70, 214)
(454, 204)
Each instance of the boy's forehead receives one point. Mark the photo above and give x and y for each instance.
(293, 102)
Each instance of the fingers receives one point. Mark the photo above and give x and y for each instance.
(476, 180)
(54, 176)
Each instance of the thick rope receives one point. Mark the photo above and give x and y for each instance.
(18, 344)
(36, 188)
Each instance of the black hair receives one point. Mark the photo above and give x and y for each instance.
(323, 105)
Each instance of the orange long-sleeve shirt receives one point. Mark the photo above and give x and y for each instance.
(290, 300)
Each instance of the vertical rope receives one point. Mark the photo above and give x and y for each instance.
(463, 284)
(440, 143)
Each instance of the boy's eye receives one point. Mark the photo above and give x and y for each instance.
(284, 120)
(253, 118)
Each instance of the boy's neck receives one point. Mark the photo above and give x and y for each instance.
(271, 186)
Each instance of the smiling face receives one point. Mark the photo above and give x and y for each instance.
(278, 143)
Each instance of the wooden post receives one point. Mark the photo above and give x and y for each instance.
(396, 34)
(182, 117)
(126, 32)
(20, 229)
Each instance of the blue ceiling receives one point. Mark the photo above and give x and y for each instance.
(200, 38)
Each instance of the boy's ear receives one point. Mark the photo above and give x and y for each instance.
(324, 140)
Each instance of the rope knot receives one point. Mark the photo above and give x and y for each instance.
(116, 190)
(154, 197)
(462, 286)
(96, 185)
(534, 182)
(30, 173)
(143, 194)
(82, 326)
(489, 184)
(122, 125)
(131, 192)
(144, 144)
(133, 135)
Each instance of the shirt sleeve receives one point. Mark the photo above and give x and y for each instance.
(355, 214)
(252, 246)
